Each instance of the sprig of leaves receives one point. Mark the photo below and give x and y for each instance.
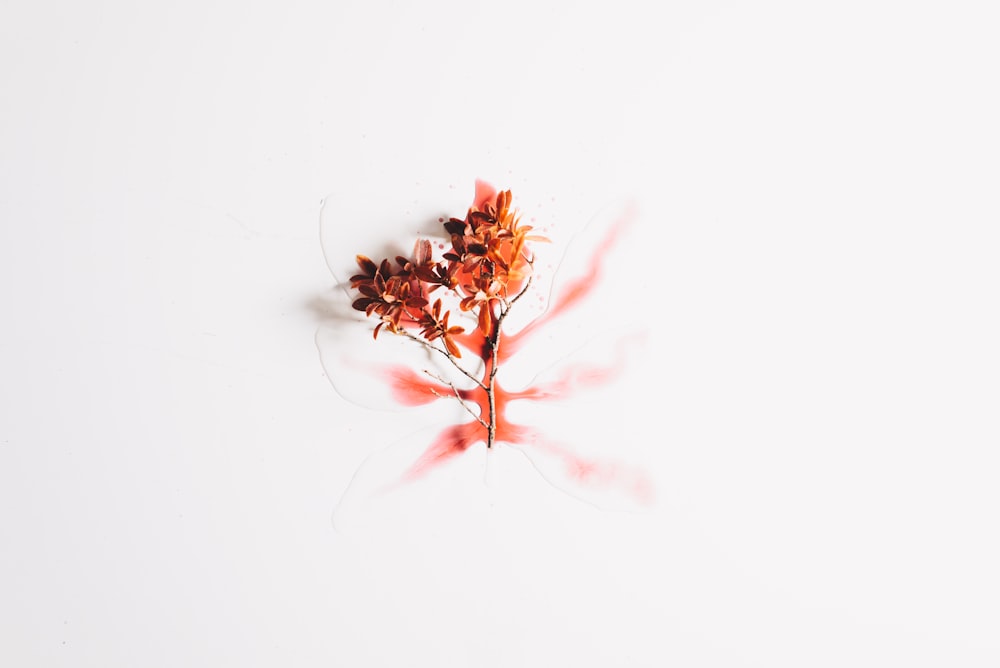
(486, 270)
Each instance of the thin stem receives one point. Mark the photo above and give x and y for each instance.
(451, 358)
(458, 396)
(521, 293)
(494, 340)
(491, 392)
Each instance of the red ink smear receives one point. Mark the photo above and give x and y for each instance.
(412, 389)
(450, 442)
(575, 291)
(574, 378)
(485, 193)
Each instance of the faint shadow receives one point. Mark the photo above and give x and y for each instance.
(332, 307)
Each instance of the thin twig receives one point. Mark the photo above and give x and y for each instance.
(520, 294)
(494, 341)
(458, 396)
(451, 358)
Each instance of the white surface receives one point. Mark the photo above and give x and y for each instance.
(819, 233)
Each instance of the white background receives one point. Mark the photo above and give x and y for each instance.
(815, 264)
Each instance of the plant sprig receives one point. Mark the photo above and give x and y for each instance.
(489, 260)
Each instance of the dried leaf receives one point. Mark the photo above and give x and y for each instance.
(484, 318)
(416, 302)
(362, 303)
(452, 348)
(422, 252)
(367, 266)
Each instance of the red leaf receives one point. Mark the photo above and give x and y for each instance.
(366, 265)
(416, 302)
(422, 252)
(484, 318)
(362, 304)
(452, 348)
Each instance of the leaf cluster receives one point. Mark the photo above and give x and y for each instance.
(488, 261)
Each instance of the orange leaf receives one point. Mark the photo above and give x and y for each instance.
(452, 348)
(484, 318)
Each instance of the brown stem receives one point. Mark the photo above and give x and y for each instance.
(490, 392)
(494, 340)
(443, 351)
(458, 396)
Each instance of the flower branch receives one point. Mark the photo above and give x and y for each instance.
(488, 260)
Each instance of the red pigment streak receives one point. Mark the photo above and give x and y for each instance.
(575, 291)
(485, 193)
(410, 388)
(574, 378)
